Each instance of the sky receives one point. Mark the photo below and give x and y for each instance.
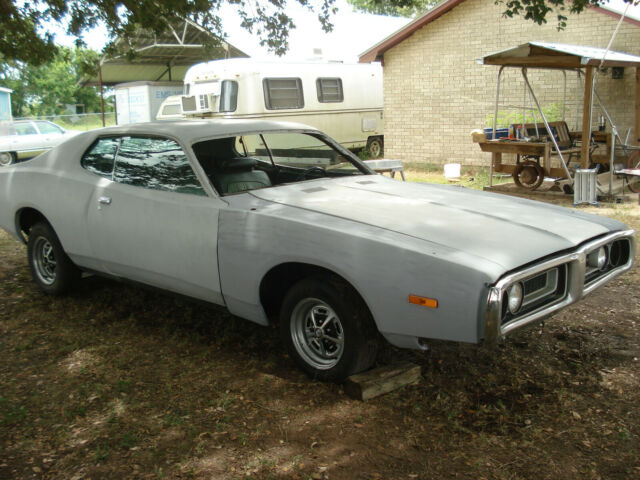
(353, 32)
(619, 6)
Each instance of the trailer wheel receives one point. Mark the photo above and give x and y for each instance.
(528, 174)
(375, 145)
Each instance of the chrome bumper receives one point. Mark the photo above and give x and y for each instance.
(576, 263)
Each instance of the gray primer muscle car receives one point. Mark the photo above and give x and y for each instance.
(279, 223)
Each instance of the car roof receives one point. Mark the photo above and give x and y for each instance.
(191, 130)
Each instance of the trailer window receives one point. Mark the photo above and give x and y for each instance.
(281, 93)
(329, 90)
(229, 96)
(171, 109)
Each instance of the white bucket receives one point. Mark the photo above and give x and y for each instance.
(452, 170)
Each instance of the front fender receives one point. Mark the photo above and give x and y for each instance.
(384, 267)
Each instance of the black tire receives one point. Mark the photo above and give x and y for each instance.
(7, 158)
(51, 268)
(375, 145)
(305, 340)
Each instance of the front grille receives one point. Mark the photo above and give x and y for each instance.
(536, 283)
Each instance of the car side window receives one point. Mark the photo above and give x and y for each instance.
(25, 128)
(157, 164)
(100, 157)
(46, 127)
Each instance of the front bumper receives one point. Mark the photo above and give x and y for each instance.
(576, 288)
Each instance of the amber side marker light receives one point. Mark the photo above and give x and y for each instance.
(423, 301)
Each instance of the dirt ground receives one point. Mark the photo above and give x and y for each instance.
(115, 381)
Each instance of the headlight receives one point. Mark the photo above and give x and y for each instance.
(597, 259)
(514, 298)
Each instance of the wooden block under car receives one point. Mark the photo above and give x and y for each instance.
(379, 381)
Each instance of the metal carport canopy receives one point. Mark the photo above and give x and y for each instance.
(162, 57)
(559, 55)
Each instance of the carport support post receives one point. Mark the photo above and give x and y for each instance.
(637, 142)
(101, 94)
(586, 118)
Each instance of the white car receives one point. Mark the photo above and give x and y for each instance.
(24, 139)
(279, 223)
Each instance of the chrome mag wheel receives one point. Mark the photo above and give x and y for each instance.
(44, 261)
(317, 333)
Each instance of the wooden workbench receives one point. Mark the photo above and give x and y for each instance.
(517, 147)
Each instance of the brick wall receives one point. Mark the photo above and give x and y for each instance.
(435, 92)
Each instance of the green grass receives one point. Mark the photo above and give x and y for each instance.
(471, 177)
(84, 123)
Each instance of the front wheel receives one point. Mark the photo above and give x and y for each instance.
(327, 328)
(7, 158)
(51, 268)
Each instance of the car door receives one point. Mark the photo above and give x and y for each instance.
(26, 140)
(150, 220)
(50, 134)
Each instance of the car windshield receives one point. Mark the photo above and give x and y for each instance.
(246, 162)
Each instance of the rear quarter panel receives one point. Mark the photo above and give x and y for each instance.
(57, 186)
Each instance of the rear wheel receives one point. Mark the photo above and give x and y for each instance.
(51, 268)
(7, 158)
(327, 328)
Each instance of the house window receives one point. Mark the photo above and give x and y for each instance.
(329, 90)
(282, 93)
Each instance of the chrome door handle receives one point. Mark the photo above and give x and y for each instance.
(104, 200)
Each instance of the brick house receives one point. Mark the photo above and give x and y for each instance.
(435, 92)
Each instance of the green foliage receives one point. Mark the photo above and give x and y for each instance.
(364, 154)
(534, 10)
(538, 10)
(48, 88)
(553, 112)
(398, 8)
(26, 28)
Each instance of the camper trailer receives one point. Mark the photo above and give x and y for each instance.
(170, 108)
(343, 100)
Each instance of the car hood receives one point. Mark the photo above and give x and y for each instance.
(507, 231)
